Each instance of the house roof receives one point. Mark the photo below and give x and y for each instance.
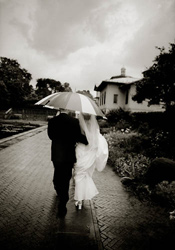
(117, 80)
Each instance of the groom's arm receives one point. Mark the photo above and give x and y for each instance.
(83, 139)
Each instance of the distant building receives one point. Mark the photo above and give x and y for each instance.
(117, 92)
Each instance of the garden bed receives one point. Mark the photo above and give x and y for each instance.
(130, 159)
(12, 128)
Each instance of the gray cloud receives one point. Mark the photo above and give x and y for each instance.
(62, 27)
(156, 29)
(85, 41)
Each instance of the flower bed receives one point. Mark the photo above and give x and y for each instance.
(9, 129)
(128, 159)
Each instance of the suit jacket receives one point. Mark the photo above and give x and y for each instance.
(64, 131)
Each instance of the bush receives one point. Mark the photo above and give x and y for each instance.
(155, 138)
(123, 125)
(115, 115)
(134, 167)
(115, 140)
(103, 123)
(131, 154)
(164, 193)
(150, 119)
(121, 145)
(157, 143)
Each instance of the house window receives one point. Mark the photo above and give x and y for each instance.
(115, 98)
(104, 97)
(126, 100)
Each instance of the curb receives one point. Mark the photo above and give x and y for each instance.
(96, 227)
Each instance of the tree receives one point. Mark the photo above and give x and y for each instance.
(4, 95)
(66, 87)
(46, 86)
(158, 84)
(32, 98)
(85, 92)
(43, 87)
(14, 83)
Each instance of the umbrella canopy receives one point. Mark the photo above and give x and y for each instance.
(71, 101)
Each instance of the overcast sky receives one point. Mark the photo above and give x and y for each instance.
(83, 42)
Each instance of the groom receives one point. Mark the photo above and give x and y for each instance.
(64, 131)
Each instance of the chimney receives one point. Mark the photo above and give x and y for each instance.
(123, 70)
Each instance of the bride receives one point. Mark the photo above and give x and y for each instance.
(90, 157)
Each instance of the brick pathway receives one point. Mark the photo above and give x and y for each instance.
(28, 202)
(126, 223)
(28, 207)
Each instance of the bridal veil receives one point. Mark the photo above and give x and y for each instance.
(90, 157)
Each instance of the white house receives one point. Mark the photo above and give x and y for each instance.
(117, 92)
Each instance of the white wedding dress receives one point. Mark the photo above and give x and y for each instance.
(90, 157)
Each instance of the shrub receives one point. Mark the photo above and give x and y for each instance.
(158, 143)
(133, 166)
(151, 119)
(115, 140)
(116, 115)
(155, 138)
(103, 123)
(122, 146)
(122, 124)
(164, 192)
(131, 154)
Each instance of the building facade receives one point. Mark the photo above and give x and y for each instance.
(117, 92)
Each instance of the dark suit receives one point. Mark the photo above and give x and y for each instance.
(64, 131)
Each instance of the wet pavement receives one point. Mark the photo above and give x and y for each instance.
(126, 223)
(114, 219)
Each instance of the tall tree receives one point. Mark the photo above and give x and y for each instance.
(4, 95)
(42, 87)
(14, 83)
(66, 87)
(46, 86)
(158, 84)
(85, 92)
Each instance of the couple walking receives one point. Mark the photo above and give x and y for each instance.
(76, 145)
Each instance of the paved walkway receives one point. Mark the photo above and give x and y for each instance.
(28, 207)
(125, 223)
(28, 202)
